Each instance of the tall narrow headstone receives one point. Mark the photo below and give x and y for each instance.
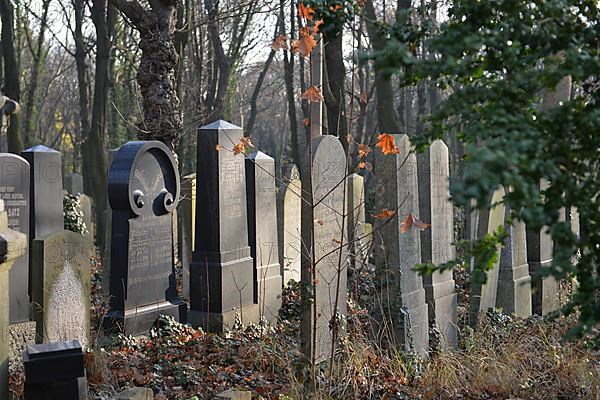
(74, 183)
(143, 190)
(221, 273)
(329, 281)
(356, 217)
(45, 194)
(12, 245)
(514, 281)
(261, 197)
(61, 286)
(292, 241)
(14, 190)
(397, 252)
(437, 242)
(483, 295)
(186, 213)
(86, 209)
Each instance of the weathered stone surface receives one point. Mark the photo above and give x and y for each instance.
(397, 253)
(292, 241)
(261, 197)
(136, 393)
(186, 214)
(329, 278)
(514, 281)
(234, 394)
(221, 273)
(61, 287)
(14, 191)
(74, 183)
(483, 296)
(436, 243)
(356, 218)
(143, 190)
(86, 208)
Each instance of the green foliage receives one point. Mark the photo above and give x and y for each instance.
(333, 13)
(72, 214)
(496, 59)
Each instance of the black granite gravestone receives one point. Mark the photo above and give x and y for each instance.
(143, 190)
(14, 190)
(55, 371)
(261, 196)
(45, 193)
(221, 278)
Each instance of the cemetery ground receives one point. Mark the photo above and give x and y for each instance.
(506, 358)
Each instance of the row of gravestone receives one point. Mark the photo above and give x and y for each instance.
(45, 269)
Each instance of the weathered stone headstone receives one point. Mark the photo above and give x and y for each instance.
(221, 273)
(12, 245)
(136, 393)
(396, 252)
(85, 203)
(329, 280)
(61, 286)
(55, 371)
(514, 281)
(143, 190)
(483, 296)
(436, 243)
(261, 200)
(74, 183)
(14, 190)
(356, 217)
(292, 241)
(234, 394)
(186, 212)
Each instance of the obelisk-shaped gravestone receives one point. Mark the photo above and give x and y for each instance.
(514, 281)
(483, 295)
(436, 242)
(143, 190)
(221, 273)
(397, 252)
(12, 245)
(329, 281)
(261, 197)
(14, 190)
(292, 241)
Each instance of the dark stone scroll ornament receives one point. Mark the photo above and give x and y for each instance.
(143, 190)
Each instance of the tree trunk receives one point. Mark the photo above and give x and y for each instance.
(11, 73)
(82, 68)
(335, 98)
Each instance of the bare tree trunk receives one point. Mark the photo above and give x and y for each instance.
(82, 68)
(335, 98)
(11, 73)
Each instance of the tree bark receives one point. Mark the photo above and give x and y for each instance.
(11, 87)
(335, 98)
(82, 68)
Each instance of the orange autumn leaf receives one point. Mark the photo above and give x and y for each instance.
(335, 8)
(280, 43)
(317, 26)
(244, 146)
(364, 99)
(385, 213)
(305, 12)
(238, 149)
(218, 147)
(363, 150)
(306, 121)
(362, 165)
(305, 44)
(387, 143)
(312, 94)
(412, 221)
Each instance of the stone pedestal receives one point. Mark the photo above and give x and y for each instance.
(221, 273)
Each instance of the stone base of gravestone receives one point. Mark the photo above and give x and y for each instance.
(234, 394)
(55, 371)
(21, 335)
(544, 292)
(222, 322)
(514, 291)
(61, 286)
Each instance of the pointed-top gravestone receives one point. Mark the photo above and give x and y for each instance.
(221, 273)
(261, 195)
(437, 246)
(397, 252)
(143, 189)
(291, 232)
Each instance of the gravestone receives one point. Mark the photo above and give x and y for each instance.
(14, 191)
(261, 200)
(329, 279)
(292, 241)
(45, 194)
(143, 190)
(74, 183)
(85, 202)
(437, 243)
(514, 281)
(61, 286)
(13, 245)
(483, 296)
(356, 218)
(55, 371)
(186, 212)
(107, 234)
(396, 252)
(221, 273)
